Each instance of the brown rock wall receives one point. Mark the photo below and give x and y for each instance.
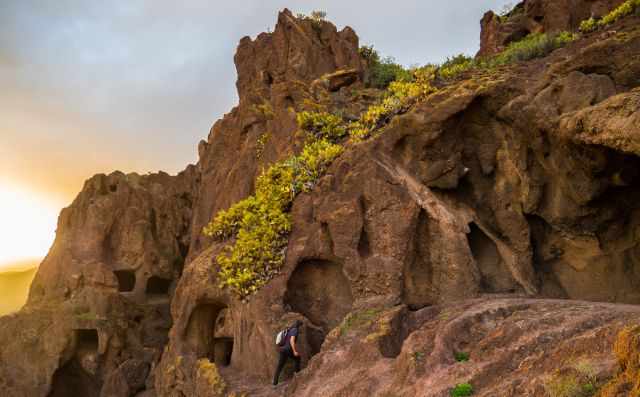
(536, 16)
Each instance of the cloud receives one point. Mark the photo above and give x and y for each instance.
(88, 86)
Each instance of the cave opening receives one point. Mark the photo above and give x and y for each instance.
(158, 286)
(73, 380)
(126, 280)
(210, 333)
(78, 376)
(496, 276)
(420, 290)
(319, 290)
(87, 340)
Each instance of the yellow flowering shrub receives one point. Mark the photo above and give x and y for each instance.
(261, 223)
(626, 8)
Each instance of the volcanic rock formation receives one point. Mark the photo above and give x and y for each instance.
(537, 16)
(481, 220)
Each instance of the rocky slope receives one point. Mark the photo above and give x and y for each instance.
(481, 220)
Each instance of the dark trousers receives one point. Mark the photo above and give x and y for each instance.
(285, 354)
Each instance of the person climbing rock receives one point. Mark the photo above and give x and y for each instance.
(289, 350)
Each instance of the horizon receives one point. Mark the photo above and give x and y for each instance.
(86, 87)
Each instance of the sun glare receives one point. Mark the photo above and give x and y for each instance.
(27, 225)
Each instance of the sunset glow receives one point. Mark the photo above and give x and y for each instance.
(29, 224)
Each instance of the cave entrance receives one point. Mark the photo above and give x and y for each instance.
(158, 286)
(78, 376)
(73, 380)
(87, 340)
(496, 276)
(319, 290)
(420, 289)
(210, 333)
(126, 280)
(222, 350)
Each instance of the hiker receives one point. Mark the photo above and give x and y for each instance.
(289, 350)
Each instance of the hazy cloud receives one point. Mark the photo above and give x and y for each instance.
(93, 86)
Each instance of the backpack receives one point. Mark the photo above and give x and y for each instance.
(281, 337)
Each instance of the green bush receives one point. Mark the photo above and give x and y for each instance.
(462, 390)
(535, 45)
(382, 71)
(455, 65)
(461, 356)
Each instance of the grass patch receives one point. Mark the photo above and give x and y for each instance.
(462, 390)
(88, 316)
(580, 380)
(568, 385)
(535, 45)
(358, 319)
(417, 356)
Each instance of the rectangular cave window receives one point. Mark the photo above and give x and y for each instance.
(87, 339)
(158, 286)
(126, 280)
(222, 350)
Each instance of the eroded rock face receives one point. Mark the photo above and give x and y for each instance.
(537, 16)
(98, 316)
(274, 73)
(514, 347)
(475, 191)
(519, 185)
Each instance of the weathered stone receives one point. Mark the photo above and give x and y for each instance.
(514, 347)
(521, 185)
(89, 310)
(537, 16)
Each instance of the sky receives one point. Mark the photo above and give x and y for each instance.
(92, 86)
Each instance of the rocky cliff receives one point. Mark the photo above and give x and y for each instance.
(466, 241)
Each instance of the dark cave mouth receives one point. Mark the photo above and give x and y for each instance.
(158, 286)
(209, 333)
(126, 280)
(72, 378)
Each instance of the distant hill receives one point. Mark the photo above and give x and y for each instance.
(14, 285)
